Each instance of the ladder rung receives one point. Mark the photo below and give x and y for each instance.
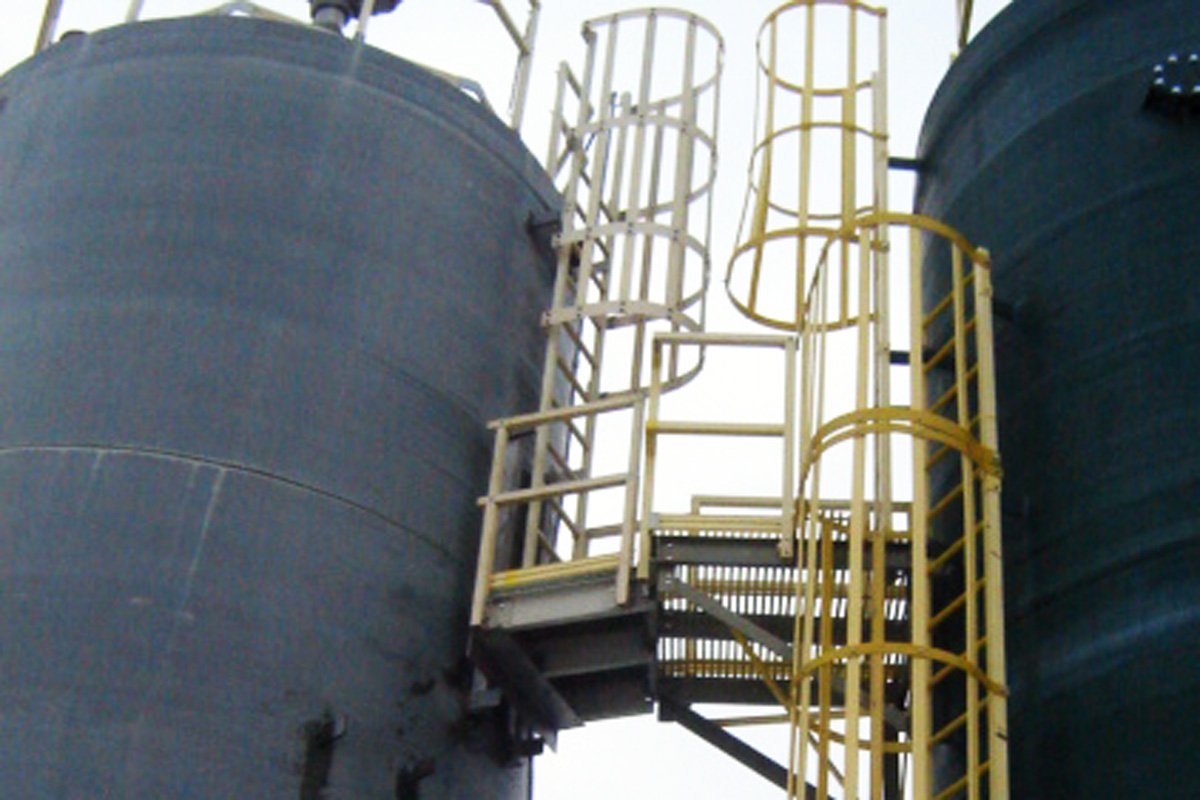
(606, 257)
(945, 398)
(958, 785)
(579, 295)
(944, 303)
(569, 373)
(954, 547)
(945, 502)
(584, 444)
(949, 728)
(938, 455)
(937, 357)
(937, 310)
(564, 469)
(952, 789)
(945, 450)
(954, 605)
(546, 545)
(947, 347)
(564, 517)
(946, 555)
(580, 347)
(567, 419)
(950, 393)
(941, 674)
(605, 209)
(598, 277)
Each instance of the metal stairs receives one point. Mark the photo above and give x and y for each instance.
(715, 624)
(728, 610)
(861, 605)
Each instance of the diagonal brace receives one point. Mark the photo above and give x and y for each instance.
(715, 608)
(729, 744)
(667, 582)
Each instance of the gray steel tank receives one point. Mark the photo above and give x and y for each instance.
(1049, 144)
(260, 291)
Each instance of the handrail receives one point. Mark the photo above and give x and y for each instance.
(523, 39)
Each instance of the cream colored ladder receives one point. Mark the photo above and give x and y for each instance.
(639, 165)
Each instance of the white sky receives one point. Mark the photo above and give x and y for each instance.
(635, 758)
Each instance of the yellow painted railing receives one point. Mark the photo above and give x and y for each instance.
(951, 596)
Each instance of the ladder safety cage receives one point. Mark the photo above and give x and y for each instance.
(637, 167)
(949, 603)
(821, 122)
(957, 481)
(841, 406)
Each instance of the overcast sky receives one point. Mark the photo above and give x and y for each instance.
(636, 758)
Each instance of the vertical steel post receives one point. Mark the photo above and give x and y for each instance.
(49, 25)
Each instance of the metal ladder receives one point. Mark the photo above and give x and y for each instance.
(557, 581)
(869, 615)
(962, 618)
(892, 624)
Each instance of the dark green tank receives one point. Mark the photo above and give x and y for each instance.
(1054, 143)
(260, 291)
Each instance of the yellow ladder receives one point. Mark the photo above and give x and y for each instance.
(941, 687)
(877, 639)
(961, 616)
